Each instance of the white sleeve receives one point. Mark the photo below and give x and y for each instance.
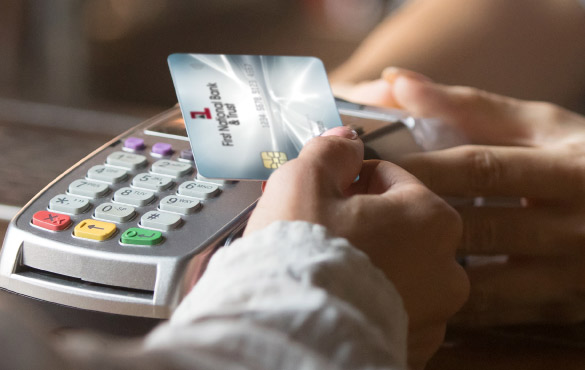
(289, 297)
(285, 297)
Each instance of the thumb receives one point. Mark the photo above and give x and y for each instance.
(416, 93)
(481, 117)
(334, 158)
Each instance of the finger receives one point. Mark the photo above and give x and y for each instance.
(423, 343)
(374, 93)
(301, 188)
(377, 92)
(482, 117)
(378, 177)
(471, 171)
(526, 291)
(332, 161)
(390, 74)
(518, 231)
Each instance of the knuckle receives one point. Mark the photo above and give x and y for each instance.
(462, 288)
(320, 146)
(465, 95)
(548, 112)
(484, 169)
(417, 192)
(455, 291)
(468, 99)
(481, 301)
(442, 222)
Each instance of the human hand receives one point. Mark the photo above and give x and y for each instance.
(530, 151)
(407, 231)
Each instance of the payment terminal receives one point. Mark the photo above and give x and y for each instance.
(129, 229)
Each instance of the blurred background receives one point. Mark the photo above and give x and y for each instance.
(113, 52)
(75, 73)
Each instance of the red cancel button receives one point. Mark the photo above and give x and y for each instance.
(51, 220)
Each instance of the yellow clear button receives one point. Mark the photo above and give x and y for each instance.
(93, 229)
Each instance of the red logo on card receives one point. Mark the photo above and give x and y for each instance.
(205, 114)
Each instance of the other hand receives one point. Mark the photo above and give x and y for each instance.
(407, 231)
(530, 151)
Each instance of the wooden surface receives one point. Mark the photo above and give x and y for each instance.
(506, 349)
(33, 156)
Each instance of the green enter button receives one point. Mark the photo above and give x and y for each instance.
(138, 236)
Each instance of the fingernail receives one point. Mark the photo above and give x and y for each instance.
(390, 74)
(342, 131)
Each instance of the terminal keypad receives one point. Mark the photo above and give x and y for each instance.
(122, 199)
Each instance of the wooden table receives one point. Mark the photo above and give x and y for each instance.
(506, 349)
(33, 156)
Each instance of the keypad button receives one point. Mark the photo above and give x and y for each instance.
(182, 205)
(69, 204)
(151, 182)
(162, 149)
(94, 229)
(138, 236)
(114, 212)
(110, 175)
(129, 161)
(171, 168)
(51, 220)
(134, 143)
(198, 189)
(160, 220)
(133, 197)
(186, 155)
(87, 188)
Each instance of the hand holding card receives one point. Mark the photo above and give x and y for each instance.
(246, 115)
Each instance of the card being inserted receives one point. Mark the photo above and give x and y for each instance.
(246, 115)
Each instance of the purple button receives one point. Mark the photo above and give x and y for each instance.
(162, 149)
(187, 154)
(134, 143)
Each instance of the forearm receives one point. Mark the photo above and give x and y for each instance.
(531, 49)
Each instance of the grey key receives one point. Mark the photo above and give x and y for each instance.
(68, 204)
(198, 189)
(212, 181)
(152, 182)
(110, 175)
(171, 168)
(87, 188)
(127, 160)
(133, 197)
(160, 220)
(114, 212)
(182, 205)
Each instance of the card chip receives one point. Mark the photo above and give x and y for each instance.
(273, 159)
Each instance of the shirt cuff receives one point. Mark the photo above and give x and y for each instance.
(291, 285)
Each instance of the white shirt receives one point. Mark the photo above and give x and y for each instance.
(286, 297)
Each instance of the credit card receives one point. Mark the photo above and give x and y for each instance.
(246, 115)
